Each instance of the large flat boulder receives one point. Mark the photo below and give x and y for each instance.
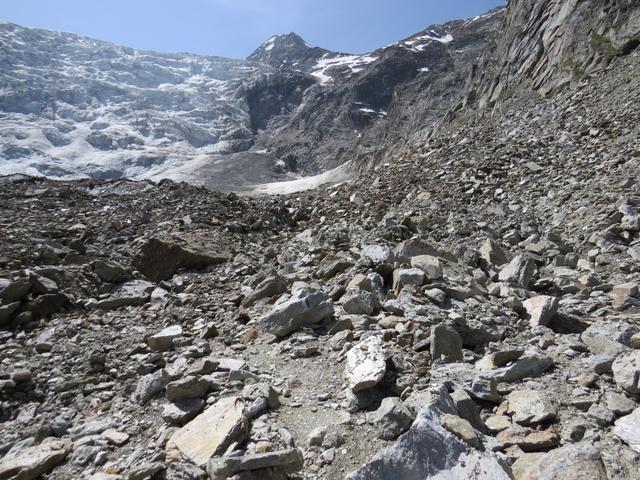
(160, 258)
(366, 364)
(33, 462)
(210, 433)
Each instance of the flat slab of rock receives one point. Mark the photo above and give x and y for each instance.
(298, 312)
(571, 462)
(33, 462)
(160, 258)
(133, 293)
(366, 364)
(531, 364)
(627, 429)
(446, 344)
(163, 340)
(210, 433)
(284, 461)
(518, 271)
(529, 407)
(427, 451)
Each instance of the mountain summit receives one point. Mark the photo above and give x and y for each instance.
(287, 51)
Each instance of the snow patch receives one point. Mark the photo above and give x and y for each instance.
(354, 64)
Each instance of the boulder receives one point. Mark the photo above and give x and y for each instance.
(269, 287)
(492, 253)
(302, 310)
(532, 364)
(540, 309)
(414, 247)
(163, 340)
(446, 344)
(626, 371)
(518, 271)
(429, 264)
(210, 433)
(407, 276)
(627, 429)
(366, 364)
(392, 418)
(427, 450)
(33, 462)
(179, 413)
(530, 407)
(160, 258)
(133, 293)
(360, 302)
(571, 462)
(186, 388)
(281, 462)
(609, 337)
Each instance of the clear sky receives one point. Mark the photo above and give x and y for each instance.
(234, 28)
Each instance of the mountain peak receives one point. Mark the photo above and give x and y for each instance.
(285, 51)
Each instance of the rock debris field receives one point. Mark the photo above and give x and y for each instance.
(469, 310)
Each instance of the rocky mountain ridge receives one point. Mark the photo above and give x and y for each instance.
(73, 106)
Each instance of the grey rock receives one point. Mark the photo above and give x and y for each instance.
(181, 412)
(532, 364)
(15, 291)
(33, 462)
(366, 364)
(518, 271)
(186, 388)
(150, 385)
(298, 312)
(446, 344)
(492, 253)
(428, 450)
(407, 276)
(163, 340)
(135, 292)
(608, 337)
(360, 302)
(626, 371)
(627, 429)
(570, 462)
(392, 418)
(530, 407)
(282, 462)
(619, 404)
(429, 264)
(540, 309)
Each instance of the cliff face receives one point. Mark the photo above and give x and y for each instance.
(547, 44)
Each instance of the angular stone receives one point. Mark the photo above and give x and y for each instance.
(159, 258)
(518, 271)
(109, 272)
(366, 364)
(532, 364)
(626, 371)
(16, 290)
(492, 253)
(540, 309)
(163, 340)
(7, 311)
(330, 267)
(601, 415)
(115, 437)
(179, 413)
(624, 295)
(497, 423)
(33, 462)
(407, 276)
(527, 439)
(429, 264)
(269, 287)
(467, 408)
(392, 419)
(414, 247)
(280, 463)
(360, 302)
(377, 253)
(446, 344)
(498, 359)
(133, 293)
(627, 429)
(609, 337)
(150, 385)
(530, 407)
(210, 433)
(462, 429)
(427, 450)
(298, 312)
(187, 387)
(570, 462)
(619, 404)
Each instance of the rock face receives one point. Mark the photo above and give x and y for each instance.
(428, 450)
(627, 429)
(210, 433)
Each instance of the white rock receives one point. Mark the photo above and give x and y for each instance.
(366, 364)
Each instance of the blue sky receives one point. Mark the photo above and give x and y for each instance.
(234, 28)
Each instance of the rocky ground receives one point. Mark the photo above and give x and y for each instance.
(469, 310)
